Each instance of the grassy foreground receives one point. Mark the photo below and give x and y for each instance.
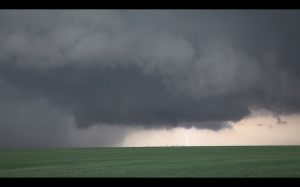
(227, 161)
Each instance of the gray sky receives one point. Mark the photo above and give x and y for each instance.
(65, 72)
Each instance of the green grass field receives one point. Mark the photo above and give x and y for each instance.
(227, 161)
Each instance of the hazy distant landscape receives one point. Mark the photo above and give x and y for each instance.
(210, 161)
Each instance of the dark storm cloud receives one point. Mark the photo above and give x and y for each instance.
(122, 96)
(154, 68)
(31, 124)
(30, 121)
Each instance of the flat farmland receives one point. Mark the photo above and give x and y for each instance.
(206, 161)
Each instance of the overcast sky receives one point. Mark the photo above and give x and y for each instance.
(94, 78)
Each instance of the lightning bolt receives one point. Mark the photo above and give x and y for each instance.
(187, 140)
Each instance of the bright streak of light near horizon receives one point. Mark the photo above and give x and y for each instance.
(187, 141)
